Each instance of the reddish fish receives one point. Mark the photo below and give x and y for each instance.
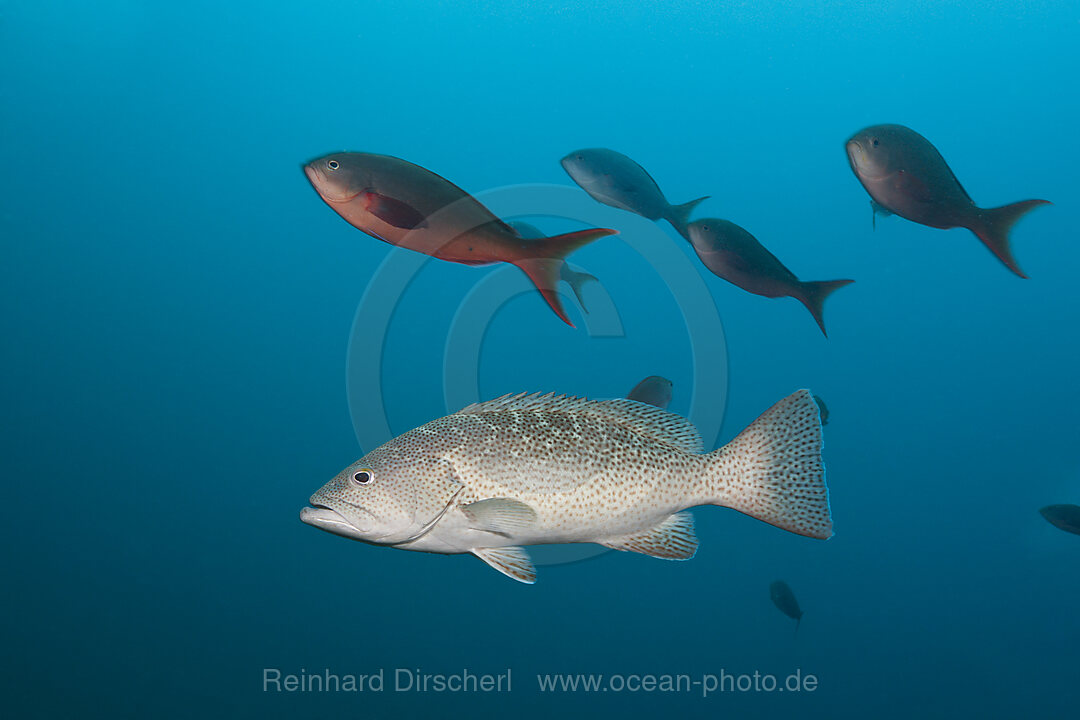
(735, 255)
(405, 205)
(907, 176)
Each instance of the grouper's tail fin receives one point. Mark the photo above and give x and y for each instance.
(993, 226)
(679, 215)
(545, 259)
(773, 471)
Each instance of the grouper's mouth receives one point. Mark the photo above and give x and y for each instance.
(330, 520)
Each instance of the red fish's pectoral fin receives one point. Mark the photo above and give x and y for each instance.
(813, 297)
(513, 562)
(391, 210)
(992, 227)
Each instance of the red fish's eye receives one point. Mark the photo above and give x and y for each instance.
(363, 477)
(333, 164)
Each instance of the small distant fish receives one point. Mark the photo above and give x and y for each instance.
(824, 410)
(574, 278)
(614, 179)
(735, 255)
(907, 176)
(784, 599)
(406, 205)
(537, 469)
(1064, 517)
(653, 390)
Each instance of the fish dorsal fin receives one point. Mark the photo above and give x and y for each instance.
(513, 562)
(673, 539)
(546, 402)
(647, 420)
(504, 516)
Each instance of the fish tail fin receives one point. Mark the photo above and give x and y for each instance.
(993, 225)
(546, 258)
(577, 280)
(773, 471)
(679, 215)
(813, 297)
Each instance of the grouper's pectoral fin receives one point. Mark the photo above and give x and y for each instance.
(511, 561)
(503, 516)
(673, 539)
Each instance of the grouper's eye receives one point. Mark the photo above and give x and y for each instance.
(333, 165)
(363, 477)
(874, 142)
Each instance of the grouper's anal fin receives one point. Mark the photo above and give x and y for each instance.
(672, 539)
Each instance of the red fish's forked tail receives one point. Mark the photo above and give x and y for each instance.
(545, 258)
(992, 226)
(813, 297)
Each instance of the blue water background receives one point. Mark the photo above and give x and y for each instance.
(177, 308)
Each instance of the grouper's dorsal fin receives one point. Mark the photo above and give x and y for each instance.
(650, 421)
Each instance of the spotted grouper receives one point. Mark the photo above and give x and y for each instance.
(536, 469)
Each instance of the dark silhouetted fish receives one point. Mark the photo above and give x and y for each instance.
(784, 599)
(824, 410)
(735, 255)
(653, 390)
(1064, 517)
(571, 277)
(907, 176)
(405, 205)
(616, 180)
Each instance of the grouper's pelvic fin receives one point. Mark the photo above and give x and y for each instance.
(772, 470)
(512, 561)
